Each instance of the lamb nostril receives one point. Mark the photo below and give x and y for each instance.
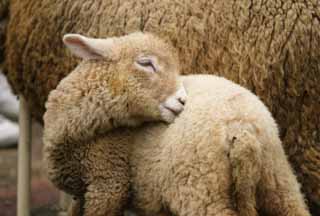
(182, 100)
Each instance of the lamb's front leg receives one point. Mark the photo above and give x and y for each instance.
(106, 177)
(105, 198)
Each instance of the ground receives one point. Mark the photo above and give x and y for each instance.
(44, 195)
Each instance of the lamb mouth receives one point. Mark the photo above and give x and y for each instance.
(169, 111)
(173, 105)
(173, 110)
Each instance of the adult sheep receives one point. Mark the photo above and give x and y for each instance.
(271, 47)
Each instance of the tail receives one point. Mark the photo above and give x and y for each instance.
(245, 157)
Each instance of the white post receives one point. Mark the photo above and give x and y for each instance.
(24, 160)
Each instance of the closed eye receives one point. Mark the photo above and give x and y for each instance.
(147, 64)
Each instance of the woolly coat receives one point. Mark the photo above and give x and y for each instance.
(270, 47)
(221, 156)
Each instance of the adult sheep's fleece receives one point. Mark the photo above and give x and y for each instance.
(4, 4)
(271, 47)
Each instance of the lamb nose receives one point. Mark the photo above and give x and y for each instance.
(182, 95)
(182, 100)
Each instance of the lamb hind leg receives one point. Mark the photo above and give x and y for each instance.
(245, 157)
(207, 195)
(279, 191)
(282, 201)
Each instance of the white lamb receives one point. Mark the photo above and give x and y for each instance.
(221, 156)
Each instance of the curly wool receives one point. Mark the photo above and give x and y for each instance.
(271, 47)
(221, 156)
(108, 90)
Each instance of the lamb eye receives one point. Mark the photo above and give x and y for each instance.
(147, 64)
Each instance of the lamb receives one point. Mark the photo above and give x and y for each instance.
(271, 47)
(221, 156)
(122, 81)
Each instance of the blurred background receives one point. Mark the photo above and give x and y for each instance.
(44, 195)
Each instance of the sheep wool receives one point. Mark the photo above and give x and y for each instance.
(271, 47)
(221, 156)
(122, 82)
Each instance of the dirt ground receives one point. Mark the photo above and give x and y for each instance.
(44, 197)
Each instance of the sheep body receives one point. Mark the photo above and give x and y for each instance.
(269, 47)
(221, 156)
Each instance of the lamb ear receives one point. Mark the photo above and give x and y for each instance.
(88, 48)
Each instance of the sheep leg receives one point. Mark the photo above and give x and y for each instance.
(105, 198)
(76, 207)
(279, 191)
(203, 187)
(245, 158)
(65, 201)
